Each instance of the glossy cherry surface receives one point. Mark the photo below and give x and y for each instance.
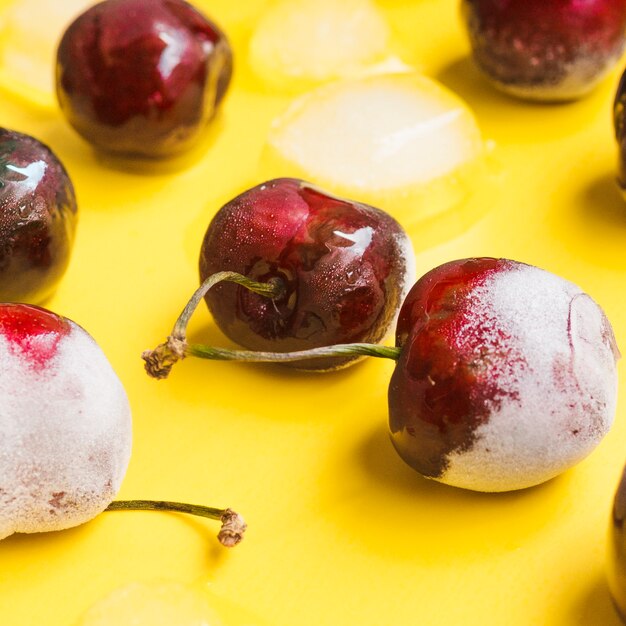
(506, 375)
(142, 77)
(343, 266)
(37, 218)
(556, 50)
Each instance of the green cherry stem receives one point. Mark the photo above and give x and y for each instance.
(248, 356)
(274, 288)
(159, 362)
(233, 525)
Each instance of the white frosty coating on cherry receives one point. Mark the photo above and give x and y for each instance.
(579, 78)
(378, 133)
(65, 436)
(317, 40)
(558, 399)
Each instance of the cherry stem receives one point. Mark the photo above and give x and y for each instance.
(248, 356)
(274, 288)
(233, 525)
(159, 362)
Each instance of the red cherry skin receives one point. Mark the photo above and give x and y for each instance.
(506, 375)
(32, 331)
(344, 265)
(556, 50)
(38, 216)
(142, 77)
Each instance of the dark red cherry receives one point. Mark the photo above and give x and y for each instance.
(37, 219)
(546, 49)
(142, 77)
(506, 375)
(344, 268)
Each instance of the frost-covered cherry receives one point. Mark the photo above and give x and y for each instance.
(65, 429)
(38, 215)
(142, 77)
(506, 375)
(546, 50)
(65, 423)
(401, 142)
(329, 271)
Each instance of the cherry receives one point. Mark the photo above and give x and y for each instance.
(142, 77)
(616, 561)
(37, 218)
(322, 270)
(65, 427)
(506, 375)
(556, 50)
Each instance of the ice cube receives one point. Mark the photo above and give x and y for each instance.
(299, 44)
(401, 142)
(29, 33)
(159, 604)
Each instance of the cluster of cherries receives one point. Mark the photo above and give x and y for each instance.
(505, 374)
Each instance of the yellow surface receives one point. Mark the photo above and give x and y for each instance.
(341, 532)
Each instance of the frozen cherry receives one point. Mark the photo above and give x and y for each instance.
(546, 50)
(65, 423)
(506, 375)
(142, 77)
(37, 219)
(334, 271)
(65, 429)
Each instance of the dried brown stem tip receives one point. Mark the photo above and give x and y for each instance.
(159, 362)
(232, 530)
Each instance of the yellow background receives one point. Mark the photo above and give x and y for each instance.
(341, 532)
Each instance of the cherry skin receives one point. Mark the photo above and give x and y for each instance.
(142, 77)
(32, 332)
(556, 50)
(344, 268)
(38, 215)
(506, 375)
